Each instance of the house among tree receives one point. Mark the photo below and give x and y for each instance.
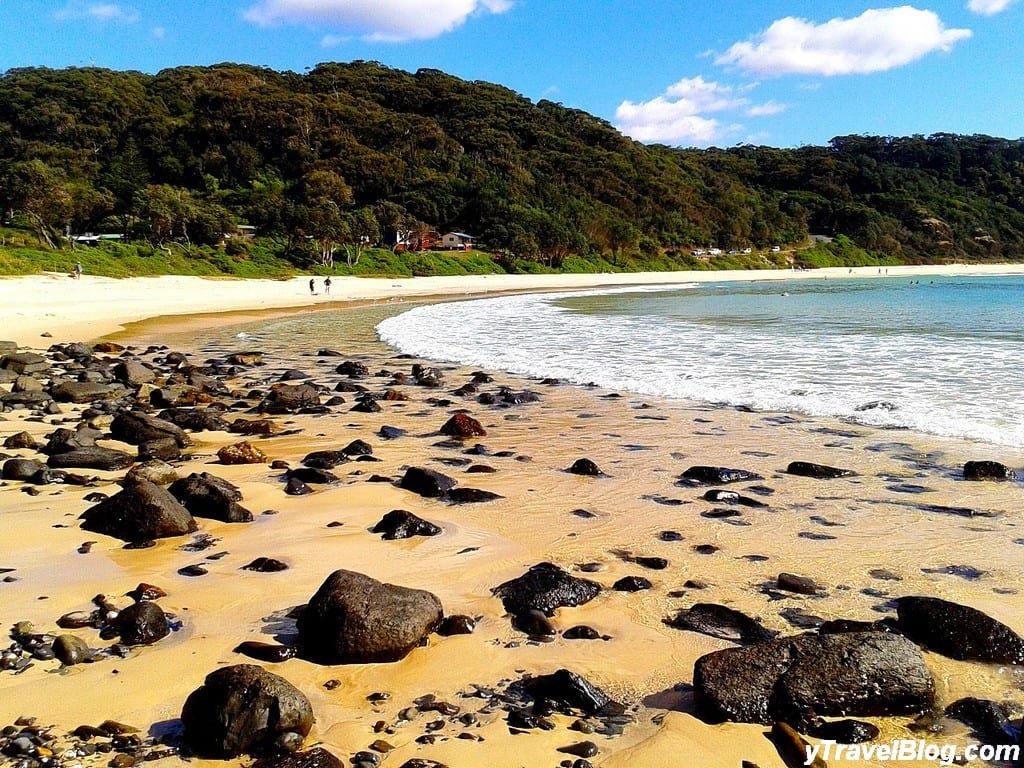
(458, 241)
(411, 239)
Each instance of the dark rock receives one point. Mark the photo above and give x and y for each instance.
(284, 398)
(63, 440)
(197, 419)
(295, 487)
(844, 731)
(632, 584)
(205, 495)
(817, 471)
(534, 623)
(391, 433)
(353, 618)
(545, 587)
(585, 467)
(702, 475)
(135, 428)
(25, 399)
(85, 391)
(268, 652)
(456, 625)
(419, 762)
(20, 440)
(358, 448)
(580, 749)
(792, 747)
(325, 459)
(95, 457)
(470, 496)
(463, 426)
(133, 373)
(986, 718)
(164, 449)
(802, 585)
(140, 512)
(988, 470)
(243, 709)
(731, 497)
(581, 632)
(400, 524)
(653, 563)
(426, 482)
(366, 406)
(721, 622)
(20, 469)
(318, 757)
(796, 679)
(352, 369)
(193, 571)
(571, 693)
(70, 650)
(313, 475)
(253, 427)
(265, 565)
(958, 631)
(842, 626)
(24, 362)
(142, 624)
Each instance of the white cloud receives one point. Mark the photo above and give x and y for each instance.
(376, 20)
(877, 40)
(101, 12)
(159, 33)
(989, 7)
(679, 115)
(766, 109)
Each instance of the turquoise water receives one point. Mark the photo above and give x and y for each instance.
(938, 355)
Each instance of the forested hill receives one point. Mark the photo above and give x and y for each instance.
(346, 153)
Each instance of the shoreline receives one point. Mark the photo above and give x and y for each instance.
(856, 526)
(95, 307)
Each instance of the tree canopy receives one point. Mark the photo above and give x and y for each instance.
(332, 159)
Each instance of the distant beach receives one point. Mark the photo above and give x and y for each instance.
(904, 522)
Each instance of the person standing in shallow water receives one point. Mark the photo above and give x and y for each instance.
(312, 287)
(327, 285)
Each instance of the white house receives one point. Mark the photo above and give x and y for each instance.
(458, 241)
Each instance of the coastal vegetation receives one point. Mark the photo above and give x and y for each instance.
(240, 170)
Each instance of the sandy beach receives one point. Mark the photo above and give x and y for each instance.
(884, 532)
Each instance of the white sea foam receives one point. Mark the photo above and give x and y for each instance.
(855, 367)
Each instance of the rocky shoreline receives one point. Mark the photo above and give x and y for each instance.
(324, 557)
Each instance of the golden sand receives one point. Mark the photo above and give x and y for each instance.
(642, 443)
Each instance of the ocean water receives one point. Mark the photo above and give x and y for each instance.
(938, 355)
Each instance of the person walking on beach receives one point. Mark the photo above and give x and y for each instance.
(312, 287)
(78, 270)
(327, 285)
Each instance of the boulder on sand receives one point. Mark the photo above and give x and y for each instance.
(140, 512)
(244, 709)
(796, 679)
(958, 631)
(355, 619)
(205, 495)
(544, 588)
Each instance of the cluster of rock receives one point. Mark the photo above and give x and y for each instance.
(143, 622)
(840, 669)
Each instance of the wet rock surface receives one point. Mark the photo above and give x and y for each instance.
(545, 587)
(795, 679)
(958, 631)
(354, 618)
(244, 709)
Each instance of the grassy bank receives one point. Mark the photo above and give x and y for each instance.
(264, 258)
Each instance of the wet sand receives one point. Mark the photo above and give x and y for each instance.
(834, 531)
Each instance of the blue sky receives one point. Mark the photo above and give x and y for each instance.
(687, 72)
